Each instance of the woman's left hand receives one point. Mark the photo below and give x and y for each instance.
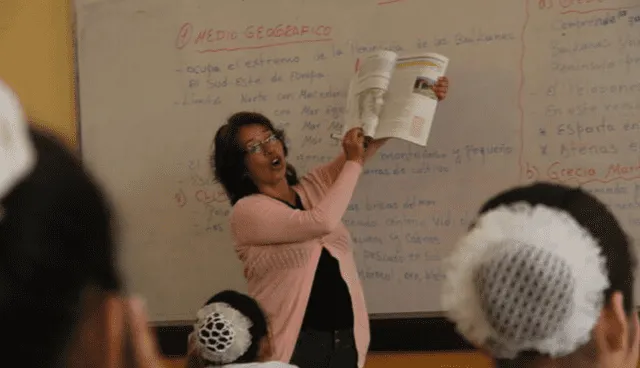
(441, 87)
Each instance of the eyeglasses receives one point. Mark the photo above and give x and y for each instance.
(257, 147)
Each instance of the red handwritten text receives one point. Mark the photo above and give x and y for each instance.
(211, 196)
(286, 31)
(277, 34)
(531, 172)
(180, 198)
(566, 4)
(559, 172)
(618, 170)
(586, 174)
(187, 35)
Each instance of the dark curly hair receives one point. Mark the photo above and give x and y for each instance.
(228, 156)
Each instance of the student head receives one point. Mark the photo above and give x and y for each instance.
(231, 328)
(249, 155)
(57, 269)
(545, 277)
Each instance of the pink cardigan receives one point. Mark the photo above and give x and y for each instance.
(280, 248)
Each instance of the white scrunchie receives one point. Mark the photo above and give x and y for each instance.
(222, 333)
(526, 279)
(17, 154)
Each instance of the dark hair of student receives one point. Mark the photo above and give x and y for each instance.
(250, 308)
(597, 219)
(228, 157)
(55, 242)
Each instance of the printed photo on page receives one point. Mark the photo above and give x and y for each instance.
(410, 101)
(392, 96)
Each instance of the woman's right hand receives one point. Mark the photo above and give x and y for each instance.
(353, 145)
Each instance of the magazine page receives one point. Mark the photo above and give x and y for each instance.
(367, 89)
(410, 102)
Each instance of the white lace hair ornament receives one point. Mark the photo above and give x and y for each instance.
(17, 155)
(526, 279)
(222, 333)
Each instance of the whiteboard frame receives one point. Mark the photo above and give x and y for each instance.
(74, 17)
(172, 335)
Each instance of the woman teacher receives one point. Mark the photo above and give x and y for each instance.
(288, 232)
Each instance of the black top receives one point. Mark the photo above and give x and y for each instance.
(329, 307)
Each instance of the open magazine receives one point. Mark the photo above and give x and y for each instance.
(392, 96)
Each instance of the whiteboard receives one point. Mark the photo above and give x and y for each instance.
(541, 90)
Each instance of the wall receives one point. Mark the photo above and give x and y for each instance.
(40, 65)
